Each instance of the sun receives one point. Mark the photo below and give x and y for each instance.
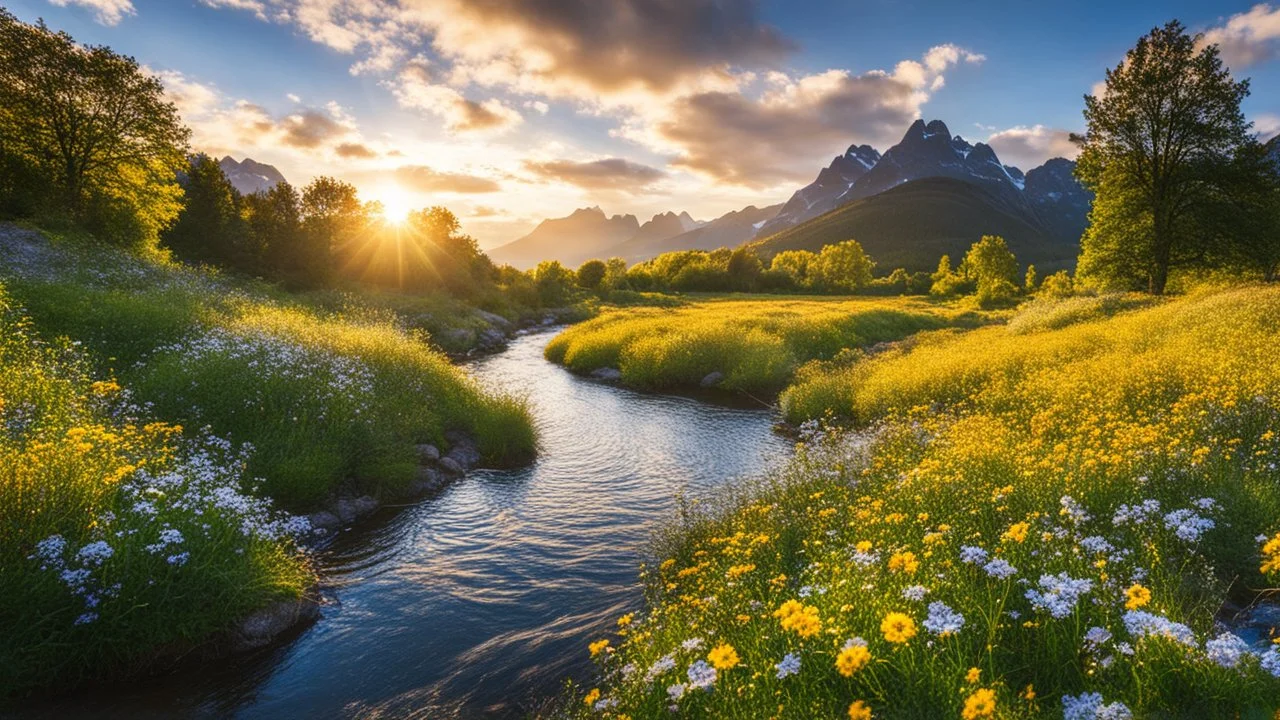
(396, 204)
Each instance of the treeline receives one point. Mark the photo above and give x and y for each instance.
(321, 236)
(988, 270)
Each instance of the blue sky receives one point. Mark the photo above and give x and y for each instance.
(525, 109)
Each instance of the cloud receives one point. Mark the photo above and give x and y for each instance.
(1267, 125)
(426, 180)
(106, 12)
(606, 174)
(354, 151)
(795, 122)
(310, 129)
(1248, 38)
(1027, 147)
(413, 88)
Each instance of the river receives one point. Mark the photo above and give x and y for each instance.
(480, 601)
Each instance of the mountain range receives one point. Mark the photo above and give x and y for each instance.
(589, 233)
(250, 176)
(931, 193)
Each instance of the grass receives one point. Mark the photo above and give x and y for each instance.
(1025, 518)
(756, 343)
(118, 536)
(324, 397)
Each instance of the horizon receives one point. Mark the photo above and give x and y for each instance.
(739, 104)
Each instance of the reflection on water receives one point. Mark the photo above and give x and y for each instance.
(479, 602)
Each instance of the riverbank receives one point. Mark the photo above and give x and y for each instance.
(1048, 517)
(208, 400)
(744, 343)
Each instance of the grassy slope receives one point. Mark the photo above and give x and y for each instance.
(117, 537)
(1034, 447)
(323, 397)
(913, 225)
(757, 343)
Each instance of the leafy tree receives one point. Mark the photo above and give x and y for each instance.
(333, 220)
(743, 269)
(615, 276)
(92, 128)
(209, 227)
(990, 260)
(798, 264)
(274, 223)
(1160, 143)
(553, 282)
(1030, 280)
(591, 274)
(1058, 285)
(844, 266)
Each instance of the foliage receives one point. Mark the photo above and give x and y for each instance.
(118, 538)
(324, 397)
(755, 344)
(1161, 153)
(1058, 285)
(591, 274)
(86, 135)
(1027, 529)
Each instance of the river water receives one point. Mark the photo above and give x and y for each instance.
(479, 602)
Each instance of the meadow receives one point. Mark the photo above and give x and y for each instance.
(328, 398)
(1041, 519)
(756, 343)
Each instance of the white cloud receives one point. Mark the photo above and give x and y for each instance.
(106, 12)
(413, 88)
(1027, 147)
(1248, 38)
(781, 133)
(1267, 125)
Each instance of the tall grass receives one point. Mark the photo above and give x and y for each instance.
(323, 397)
(117, 536)
(756, 344)
(1029, 525)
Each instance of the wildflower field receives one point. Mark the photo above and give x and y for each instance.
(756, 344)
(323, 397)
(1043, 519)
(118, 534)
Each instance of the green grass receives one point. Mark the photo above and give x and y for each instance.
(756, 343)
(1029, 448)
(82, 467)
(324, 397)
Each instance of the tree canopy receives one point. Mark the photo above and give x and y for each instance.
(1161, 149)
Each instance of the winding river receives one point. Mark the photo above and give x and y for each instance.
(480, 601)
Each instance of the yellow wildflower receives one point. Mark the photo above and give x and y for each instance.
(859, 711)
(1017, 532)
(981, 704)
(723, 657)
(852, 659)
(898, 628)
(591, 697)
(973, 675)
(1137, 596)
(598, 647)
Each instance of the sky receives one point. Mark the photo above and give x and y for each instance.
(511, 111)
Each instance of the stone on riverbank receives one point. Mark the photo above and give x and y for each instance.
(712, 379)
(607, 373)
(427, 453)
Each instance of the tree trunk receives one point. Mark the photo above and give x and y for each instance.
(1162, 247)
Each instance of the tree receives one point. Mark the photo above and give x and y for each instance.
(93, 127)
(844, 266)
(591, 274)
(1029, 281)
(333, 219)
(990, 260)
(1160, 139)
(209, 227)
(274, 221)
(797, 264)
(553, 282)
(744, 268)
